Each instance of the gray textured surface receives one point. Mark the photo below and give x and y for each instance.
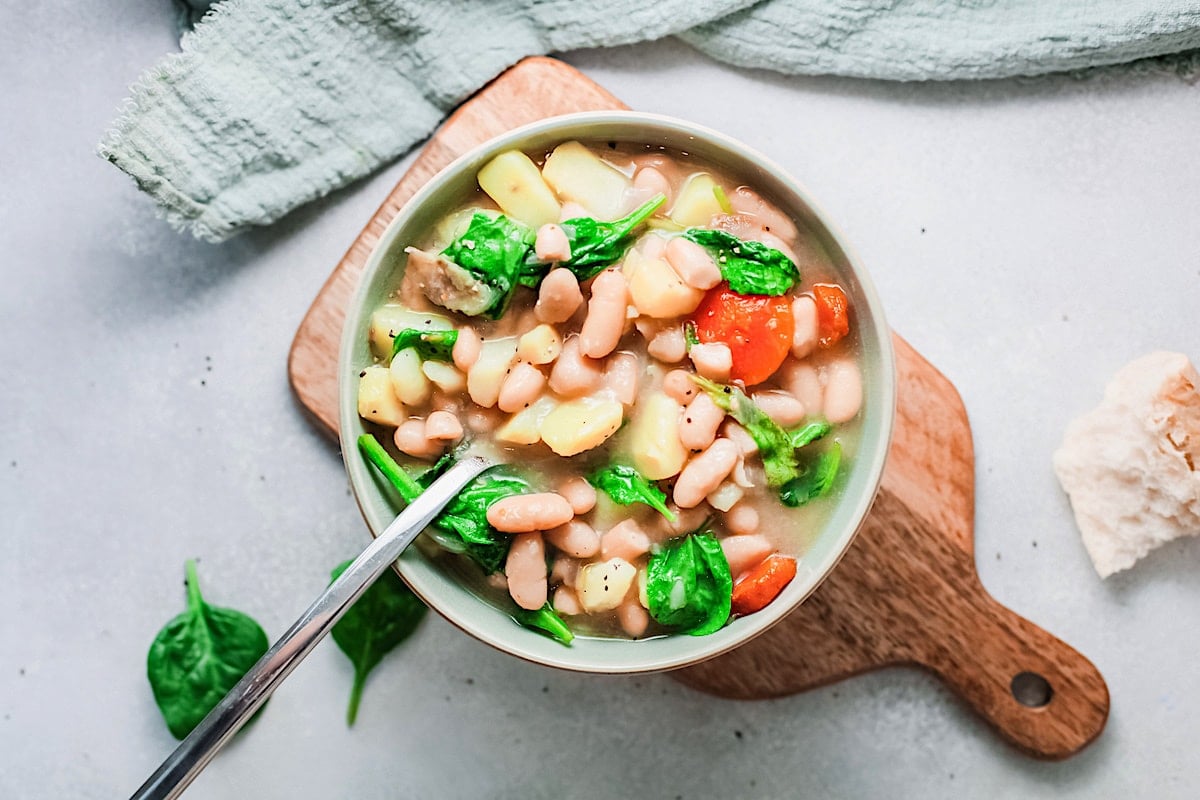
(274, 103)
(1027, 237)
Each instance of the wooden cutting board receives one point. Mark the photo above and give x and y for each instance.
(906, 592)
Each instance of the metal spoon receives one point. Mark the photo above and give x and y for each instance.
(193, 753)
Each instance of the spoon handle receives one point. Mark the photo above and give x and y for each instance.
(194, 752)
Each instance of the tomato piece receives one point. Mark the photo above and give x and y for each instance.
(757, 328)
(833, 313)
(763, 584)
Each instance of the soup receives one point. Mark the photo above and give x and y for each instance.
(662, 361)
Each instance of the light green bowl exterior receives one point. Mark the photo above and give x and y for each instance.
(438, 588)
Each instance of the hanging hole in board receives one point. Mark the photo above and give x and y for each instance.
(1032, 690)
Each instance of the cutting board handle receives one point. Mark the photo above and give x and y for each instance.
(1037, 691)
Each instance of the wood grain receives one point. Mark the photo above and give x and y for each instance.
(906, 592)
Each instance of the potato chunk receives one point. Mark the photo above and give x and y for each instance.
(390, 319)
(513, 181)
(580, 176)
(656, 289)
(581, 424)
(602, 586)
(408, 380)
(654, 438)
(376, 400)
(525, 427)
(489, 370)
(697, 202)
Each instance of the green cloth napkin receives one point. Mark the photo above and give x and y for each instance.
(273, 103)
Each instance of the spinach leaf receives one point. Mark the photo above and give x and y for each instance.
(688, 584)
(625, 485)
(430, 345)
(774, 444)
(199, 656)
(749, 267)
(493, 249)
(809, 433)
(690, 336)
(465, 518)
(384, 616)
(814, 479)
(387, 466)
(594, 244)
(547, 620)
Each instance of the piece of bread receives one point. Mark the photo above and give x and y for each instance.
(1130, 465)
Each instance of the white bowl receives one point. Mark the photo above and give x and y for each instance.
(440, 588)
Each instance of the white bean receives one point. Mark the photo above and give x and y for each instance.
(802, 381)
(633, 618)
(482, 420)
(652, 182)
(564, 570)
(551, 243)
(705, 472)
(713, 361)
(745, 552)
(669, 345)
(625, 540)
(605, 320)
(678, 386)
(575, 538)
(566, 602)
(747, 201)
(740, 436)
(693, 263)
(525, 569)
(521, 388)
(410, 438)
(783, 407)
(466, 348)
(575, 374)
(843, 390)
(652, 246)
(686, 519)
(804, 318)
(622, 376)
(444, 426)
(524, 513)
(559, 296)
(572, 210)
(742, 519)
(699, 422)
(579, 493)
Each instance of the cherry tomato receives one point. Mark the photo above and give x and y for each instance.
(833, 313)
(757, 328)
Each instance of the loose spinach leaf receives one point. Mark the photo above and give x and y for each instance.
(688, 584)
(493, 250)
(465, 518)
(690, 336)
(625, 485)
(199, 656)
(749, 267)
(814, 479)
(774, 444)
(547, 620)
(384, 616)
(594, 244)
(809, 433)
(430, 345)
